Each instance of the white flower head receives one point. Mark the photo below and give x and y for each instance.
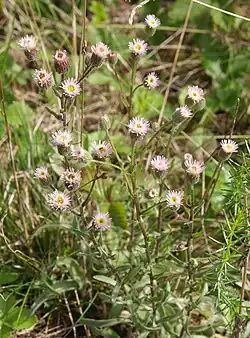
(152, 21)
(78, 153)
(151, 80)
(174, 199)
(43, 78)
(71, 179)
(160, 163)
(229, 146)
(101, 149)
(151, 193)
(41, 173)
(101, 50)
(138, 126)
(71, 87)
(62, 138)
(102, 221)
(195, 93)
(27, 43)
(59, 201)
(194, 168)
(138, 47)
(184, 111)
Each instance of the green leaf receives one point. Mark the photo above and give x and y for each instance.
(99, 11)
(147, 103)
(74, 268)
(105, 279)
(23, 320)
(118, 214)
(19, 113)
(8, 277)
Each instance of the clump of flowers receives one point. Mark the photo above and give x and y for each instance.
(174, 199)
(71, 87)
(159, 163)
(139, 126)
(71, 179)
(29, 45)
(152, 21)
(229, 146)
(61, 61)
(151, 80)
(101, 149)
(102, 221)
(59, 201)
(41, 173)
(43, 78)
(195, 93)
(138, 47)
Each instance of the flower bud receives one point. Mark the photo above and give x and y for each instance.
(113, 58)
(61, 61)
(105, 122)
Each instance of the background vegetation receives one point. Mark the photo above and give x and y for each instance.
(54, 281)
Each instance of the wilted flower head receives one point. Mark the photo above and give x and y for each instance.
(194, 168)
(174, 199)
(151, 193)
(138, 126)
(102, 221)
(62, 138)
(101, 50)
(41, 173)
(101, 149)
(78, 152)
(195, 93)
(151, 80)
(61, 61)
(71, 87)
(43, 78)
(160, 163)
(184, 111)
(229, 146)
(71, 179)
(138, 47)
(58, 200)
(152, 21)
(28, 45)
(188, 157)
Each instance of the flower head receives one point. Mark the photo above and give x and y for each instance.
(184, 111)
(194, 168)
(58, 200)
(229, 146)
(78, 152)
(101, 50)
(195, 93)
(188, 157)
(152, 21)
(43, 78)
(138, 126)
(71, 87)
(151, 80)
(102, 221)
(174, 199)
(138, 47)
(160, 163)
(41, 173)
(71, 179)
(101, 149)
(61, 61)
(62, 138)
(151, 193)
(28, 45)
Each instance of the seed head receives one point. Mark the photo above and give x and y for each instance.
(62, 138)
(102, 221)
(160, 163)
(59, 201)
(29, 46)
(71, 179)
(78, 153)
(194, 168)
(61, 61)
(184, 112)
(43, 78)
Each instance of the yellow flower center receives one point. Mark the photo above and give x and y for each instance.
(71, 88)
(229, 146)
(138, 47)
(101, 149)
(101, 221)
(138, 125)
(174, 199)
(59, 200)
